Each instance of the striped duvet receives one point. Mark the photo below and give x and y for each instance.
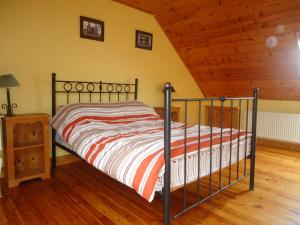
(125, 141)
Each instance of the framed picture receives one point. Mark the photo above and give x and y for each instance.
(143, 40)
(91, 28)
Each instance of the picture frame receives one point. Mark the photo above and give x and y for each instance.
(143, 40)
(91, 29)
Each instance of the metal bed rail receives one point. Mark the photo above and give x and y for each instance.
(231, 180)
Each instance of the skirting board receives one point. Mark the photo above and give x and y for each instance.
(65, 159)
(278, 144)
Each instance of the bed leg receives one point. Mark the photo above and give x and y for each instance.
(167, 155)
(53, 81)
(53, 150)
(253, 140)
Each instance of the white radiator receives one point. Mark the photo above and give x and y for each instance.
(278, 126)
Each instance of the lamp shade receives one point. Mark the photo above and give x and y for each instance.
(8, 80)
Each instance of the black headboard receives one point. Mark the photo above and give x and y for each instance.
(124, 91)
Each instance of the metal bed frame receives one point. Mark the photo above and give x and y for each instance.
(88, 88)
(167, 147)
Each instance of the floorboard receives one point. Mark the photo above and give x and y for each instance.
(78, 194)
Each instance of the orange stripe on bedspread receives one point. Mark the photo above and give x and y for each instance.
(175, 152)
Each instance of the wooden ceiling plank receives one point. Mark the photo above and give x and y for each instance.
(223, 43)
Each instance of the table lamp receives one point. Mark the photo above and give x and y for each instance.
(7, 81)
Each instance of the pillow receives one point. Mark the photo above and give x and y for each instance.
(119, 112)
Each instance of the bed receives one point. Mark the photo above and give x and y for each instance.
(129, 142)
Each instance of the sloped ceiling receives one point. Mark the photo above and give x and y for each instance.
(223, 43)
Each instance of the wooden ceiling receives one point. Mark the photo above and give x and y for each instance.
(223, 43)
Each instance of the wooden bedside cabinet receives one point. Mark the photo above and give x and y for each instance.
(26, 148)
(175, 113)
(215, 111)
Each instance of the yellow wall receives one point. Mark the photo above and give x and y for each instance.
(279, 106)
(41, 37)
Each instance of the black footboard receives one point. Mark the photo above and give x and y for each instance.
(239, 167)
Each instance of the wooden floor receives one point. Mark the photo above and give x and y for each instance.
(79, 194)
